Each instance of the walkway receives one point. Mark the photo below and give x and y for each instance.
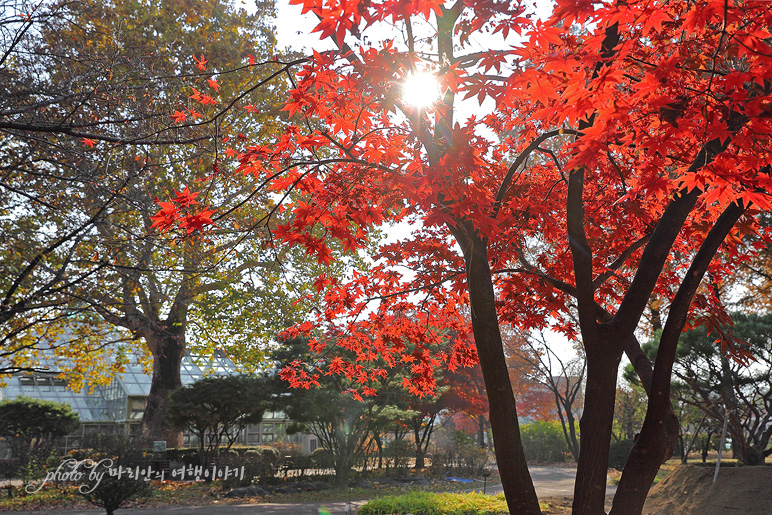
(549, 482)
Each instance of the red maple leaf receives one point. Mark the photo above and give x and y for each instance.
(166, 217)
(200, 63)
(185, 198)
(198, 221)
(213, 84)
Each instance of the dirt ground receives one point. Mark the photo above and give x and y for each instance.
(562, 505)
(689, 490)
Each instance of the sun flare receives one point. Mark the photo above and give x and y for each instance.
(420, 89)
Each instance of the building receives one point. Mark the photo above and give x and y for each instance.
(118, 407)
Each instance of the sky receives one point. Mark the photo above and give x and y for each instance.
(293, 30)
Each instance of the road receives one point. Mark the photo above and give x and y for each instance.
(549, 482)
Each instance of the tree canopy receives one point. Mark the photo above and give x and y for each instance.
(31, 427)
(217, 409)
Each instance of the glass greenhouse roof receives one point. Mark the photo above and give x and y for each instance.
(110, 402)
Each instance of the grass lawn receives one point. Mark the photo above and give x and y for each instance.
(169, 493)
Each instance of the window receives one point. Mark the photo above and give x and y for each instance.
(313, 443)
(60, 384)
(27, 384)
(44, 384)
(137, 407)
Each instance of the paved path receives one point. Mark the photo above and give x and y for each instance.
(549, 482)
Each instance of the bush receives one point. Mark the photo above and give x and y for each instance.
(30, 428)
(428, 503)
(543, 442)
(322, 458)
(291, 457)
(460, 454)
(261, 464)
(618, 452)
(113, 491)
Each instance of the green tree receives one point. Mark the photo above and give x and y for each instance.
(31, 426)
(726, 387)
(735, 386)
(217, 410)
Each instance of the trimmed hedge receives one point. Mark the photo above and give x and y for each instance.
(543, 442)
(428, 503)
(618, 453)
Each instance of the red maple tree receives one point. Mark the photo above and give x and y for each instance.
(633, 149)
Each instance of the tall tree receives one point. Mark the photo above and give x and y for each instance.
(726, 387)
(96, 137)
(635, 142)
(563, 378)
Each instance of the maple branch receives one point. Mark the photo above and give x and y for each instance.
(429, 286)
(679, 307)
(580, 250)
(619, 261)
(534, 145)
(664, 235)
(79, 130)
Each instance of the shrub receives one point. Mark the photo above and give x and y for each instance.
(459, 454)
(114, 491)
(261, 463)
(291, 457)
(428, 503)
(322, 458)
(618, 452)
(30, 428)
(543, 442)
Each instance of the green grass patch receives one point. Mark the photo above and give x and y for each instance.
(428, 503)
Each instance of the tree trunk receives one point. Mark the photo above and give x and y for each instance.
(752, 456)
(419, 448)
(515, 478)
(167, 348)
(595, 429)
(379, 446)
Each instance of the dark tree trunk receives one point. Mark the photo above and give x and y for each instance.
(650, 448)
(752, 456)
(419, 459)
(422, 439)
(595, 428)
(379, 446)
(515, 478)
(167, 348)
